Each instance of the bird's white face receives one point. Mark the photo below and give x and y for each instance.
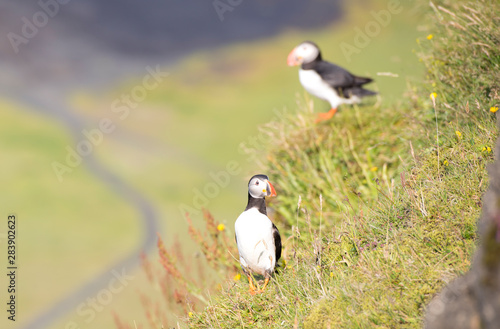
(259, 187)
(306, 52)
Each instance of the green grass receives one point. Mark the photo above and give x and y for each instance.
(389, 194)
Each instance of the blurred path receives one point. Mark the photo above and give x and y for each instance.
(150, 219)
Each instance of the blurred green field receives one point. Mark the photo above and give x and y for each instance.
(64, 229)
(190, 126)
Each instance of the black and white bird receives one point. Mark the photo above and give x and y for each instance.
(325, 80)
(258, 239)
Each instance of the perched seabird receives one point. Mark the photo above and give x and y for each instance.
(325, 80)
(258, 239)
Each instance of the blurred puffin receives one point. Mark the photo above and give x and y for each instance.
(325, 80)
(258, 239)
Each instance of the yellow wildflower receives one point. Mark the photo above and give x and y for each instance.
(433, 95)
(459, 134)
(493, 109)
(221, 227)
(484, 149)
(331, 274)
(190, 314)
(489, 149)
(373, 168)
(445, 163)
(430, 36)
(237, 277)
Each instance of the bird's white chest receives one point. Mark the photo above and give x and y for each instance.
(316, 86)
(254, 235)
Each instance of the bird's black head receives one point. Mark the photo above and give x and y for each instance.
(260, 187)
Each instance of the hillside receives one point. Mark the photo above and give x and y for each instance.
(378, 207)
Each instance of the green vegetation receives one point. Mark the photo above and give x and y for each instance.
(378, 207)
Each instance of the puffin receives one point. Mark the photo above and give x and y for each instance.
(325, 80)
(257, 238)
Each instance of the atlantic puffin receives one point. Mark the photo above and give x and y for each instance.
(325, 80)
(257, 238)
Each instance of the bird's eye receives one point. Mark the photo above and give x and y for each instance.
(257, 183)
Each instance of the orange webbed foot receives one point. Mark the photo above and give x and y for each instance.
(252, 289)
(325, 116)
(264, 287)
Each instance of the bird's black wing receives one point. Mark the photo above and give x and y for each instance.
(277, 242)
(338, 77)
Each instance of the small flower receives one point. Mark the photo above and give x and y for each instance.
(429, 37)
(373, 168)
(489, 149)
(445, 163)
(331, 274)
(221, 227)
(459, 134)
(493, 109)
(484, 149)
(433, 96)
(237, 277)
(190, 314)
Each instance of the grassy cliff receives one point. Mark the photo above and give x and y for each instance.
(378, 207)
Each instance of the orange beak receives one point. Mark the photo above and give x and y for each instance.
(292, 60)
(270, 187)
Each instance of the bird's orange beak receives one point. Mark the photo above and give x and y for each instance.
(292, 59)
(270, 190)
